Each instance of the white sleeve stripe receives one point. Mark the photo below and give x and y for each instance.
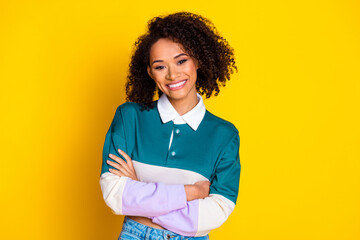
(112, 187)
(213, 212)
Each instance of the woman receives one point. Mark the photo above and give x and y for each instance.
(170, 165)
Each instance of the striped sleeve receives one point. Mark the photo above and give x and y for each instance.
(200, 216)
(129, 197)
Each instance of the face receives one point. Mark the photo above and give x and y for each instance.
(173, 70)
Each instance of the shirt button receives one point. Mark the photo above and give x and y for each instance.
(177, 131)
(173, 153)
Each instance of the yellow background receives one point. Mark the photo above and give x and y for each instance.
(295, 101)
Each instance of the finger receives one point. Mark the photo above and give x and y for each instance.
(117, 172)
(203, 183)
(121, 171)
(133, 177)
(119, 160)
(127, 158)
(118, 166)
(122, 174)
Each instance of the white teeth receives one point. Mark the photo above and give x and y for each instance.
(177, 84)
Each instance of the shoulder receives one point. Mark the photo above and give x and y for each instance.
(128, 107)
(220, 132)
(220, 124)
(131, 109)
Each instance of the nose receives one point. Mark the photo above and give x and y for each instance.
(172, 73)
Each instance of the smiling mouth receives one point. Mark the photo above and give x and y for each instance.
(176, 85)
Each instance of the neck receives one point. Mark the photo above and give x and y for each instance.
(183, 106)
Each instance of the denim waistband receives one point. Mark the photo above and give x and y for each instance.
(146, 232)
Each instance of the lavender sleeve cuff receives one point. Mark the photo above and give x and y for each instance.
(183, 221)
(199, 217)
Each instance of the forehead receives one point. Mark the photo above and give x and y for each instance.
(165, 48)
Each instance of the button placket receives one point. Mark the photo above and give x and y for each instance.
(173, 148)
(177, 131)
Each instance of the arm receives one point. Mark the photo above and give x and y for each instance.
(130, 193)
(130, 197)
(142, 199)
(202, 215)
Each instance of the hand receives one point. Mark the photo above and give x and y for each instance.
(125, 169)
(197, 190)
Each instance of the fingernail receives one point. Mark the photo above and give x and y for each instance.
(110, 155)
(119, 150)
(108, 161)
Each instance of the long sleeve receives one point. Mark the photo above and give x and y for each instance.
(129, 197)
(202, 215)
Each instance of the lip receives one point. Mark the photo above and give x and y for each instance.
(179, 87)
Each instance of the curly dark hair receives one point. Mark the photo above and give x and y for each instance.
(200, 40)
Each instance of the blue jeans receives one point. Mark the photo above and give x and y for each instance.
(133, 230)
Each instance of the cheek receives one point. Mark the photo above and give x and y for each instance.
(158, 76)
(192, 71)
(158, 84)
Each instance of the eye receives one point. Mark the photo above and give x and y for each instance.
(182, 61)
(159, 67)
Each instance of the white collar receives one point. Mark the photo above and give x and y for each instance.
(168, 113)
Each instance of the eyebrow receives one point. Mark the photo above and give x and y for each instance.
(179, 55)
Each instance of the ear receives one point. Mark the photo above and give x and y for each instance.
(149, 71)
(196, 63)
